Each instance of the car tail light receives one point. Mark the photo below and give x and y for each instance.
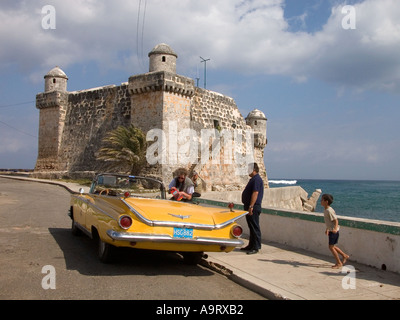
(125, 222)
(237, 231)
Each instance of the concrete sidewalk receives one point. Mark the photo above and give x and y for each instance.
(280, 272)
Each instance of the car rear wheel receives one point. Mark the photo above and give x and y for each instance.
(105, 251)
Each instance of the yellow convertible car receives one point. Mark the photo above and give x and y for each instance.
(129, 211)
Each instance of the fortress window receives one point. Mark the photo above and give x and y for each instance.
(54, 80)
(164, 59)
(255, 122)
(217, 125)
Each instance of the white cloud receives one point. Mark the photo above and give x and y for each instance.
(247, 36)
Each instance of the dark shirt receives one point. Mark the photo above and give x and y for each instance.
(255, 184)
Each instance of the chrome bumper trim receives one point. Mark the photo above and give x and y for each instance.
(140, 237)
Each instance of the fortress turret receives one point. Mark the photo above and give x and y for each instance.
(55, 80)
(163, 58)
(52, 104)
(258, 122)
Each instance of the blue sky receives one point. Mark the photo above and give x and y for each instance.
(331, 94)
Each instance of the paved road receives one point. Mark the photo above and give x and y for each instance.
(34, 233)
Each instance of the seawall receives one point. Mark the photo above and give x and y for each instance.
(372, 242)
(293, 198)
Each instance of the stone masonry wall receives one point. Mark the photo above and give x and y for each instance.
(211, 110)
(162, 101)
(52, 115)
(91, 114)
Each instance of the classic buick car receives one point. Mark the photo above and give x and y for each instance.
(129, 211)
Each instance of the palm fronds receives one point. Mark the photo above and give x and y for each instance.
(125, 146)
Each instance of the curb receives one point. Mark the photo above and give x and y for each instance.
(251, 285)
(40, 181)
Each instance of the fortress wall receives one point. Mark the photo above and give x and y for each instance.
(146, 101)
(161, 101)
(209, 106)
(176, 119)
(91, 114)
(146, 112)
(211, 110)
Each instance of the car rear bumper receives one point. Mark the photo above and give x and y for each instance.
(140, 237)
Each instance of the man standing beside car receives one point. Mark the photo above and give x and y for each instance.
(252, 197)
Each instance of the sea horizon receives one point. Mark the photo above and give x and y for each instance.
(368, 199)
(330, 179)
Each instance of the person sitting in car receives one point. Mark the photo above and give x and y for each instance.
(181, 186)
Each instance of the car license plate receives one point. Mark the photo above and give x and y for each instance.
(183, 233)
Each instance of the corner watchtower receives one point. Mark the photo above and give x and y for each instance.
(163, 58)
(257, 121)
(52, 104)
(55, 80)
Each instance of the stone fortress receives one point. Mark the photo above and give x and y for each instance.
(73, 125)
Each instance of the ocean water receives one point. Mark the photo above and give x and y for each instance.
(378, 200)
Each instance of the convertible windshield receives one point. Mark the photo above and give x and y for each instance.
(123, 186)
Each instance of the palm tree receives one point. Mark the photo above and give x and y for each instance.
(125, 146)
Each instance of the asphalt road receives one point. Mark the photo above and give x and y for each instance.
(38, 252)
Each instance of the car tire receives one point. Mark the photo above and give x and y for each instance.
(104, 251)
(192, 258)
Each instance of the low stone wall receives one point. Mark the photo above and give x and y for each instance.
(372, 242)
(287, 197)
(54, 175)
